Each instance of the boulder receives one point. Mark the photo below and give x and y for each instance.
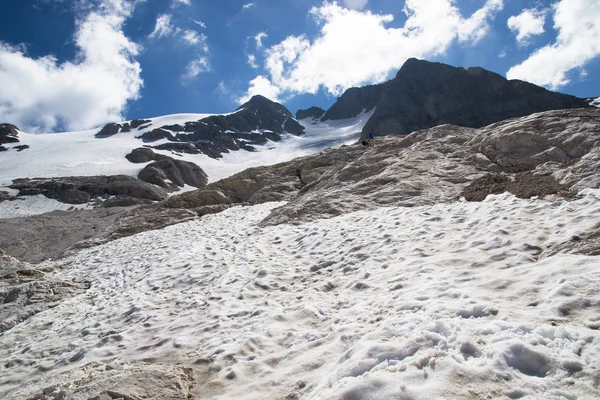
(177, 171)
(109, 130)
(143, 155)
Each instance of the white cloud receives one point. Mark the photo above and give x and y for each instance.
(193, 38)
(184, 2)
(252, 61)
(196, 67)
(577, 43)
(44, 95)
(163, 26)
(248, 5)
(355, 4)
(200, 24)
(356, 48)
(527, 24)
(263, 86)
(259, 38)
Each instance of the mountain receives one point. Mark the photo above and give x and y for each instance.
(253, 123)
(425, 94)
(453, 262)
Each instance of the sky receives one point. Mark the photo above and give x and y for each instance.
(78, 64)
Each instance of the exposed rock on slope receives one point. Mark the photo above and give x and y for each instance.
(26, 291)
(52, 235)
(312, 112)
(167, 172)
(253, 123)
(425, 94)
(81, 189)
(9, 134)
(425, 167)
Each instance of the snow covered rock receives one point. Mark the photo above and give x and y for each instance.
(9, 134)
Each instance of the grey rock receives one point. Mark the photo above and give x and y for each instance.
(136, 123)
(109, 130)
(26, 290)
(80, 189)
(9, 133)
(425, 94)
(156, 134)
(56, 234)
(144, 155)
(21, 147)
(177, 171)
(312, 112)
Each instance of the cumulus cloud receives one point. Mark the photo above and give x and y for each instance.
(184, 2)
(42, 94)
(527, 24)
(578, 42)
(163, 26)
(263, 86)
(355, 48)
(196, 67)
(248, 5)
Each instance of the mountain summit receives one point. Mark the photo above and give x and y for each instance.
(426, 94)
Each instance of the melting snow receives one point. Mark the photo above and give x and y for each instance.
(454, 301)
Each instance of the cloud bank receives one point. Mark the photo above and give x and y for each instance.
(578, 42)
(356, 48)
(43, 94)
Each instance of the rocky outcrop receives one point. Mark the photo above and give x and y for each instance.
(425, 94)
(312, 112)
(178, 172)
(144, 155)
(156, 134)
(109, 130)
(558, 149)
(354, 101)
(82, 189)
(9, 134)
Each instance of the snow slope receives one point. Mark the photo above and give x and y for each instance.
(457, 300)
(81, 154)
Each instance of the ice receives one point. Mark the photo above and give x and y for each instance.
(376, 304)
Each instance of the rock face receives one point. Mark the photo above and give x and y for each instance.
(82, 189)
(558, 150)
(312, 112)
(9, 134)
(179, 172)
(425, 94)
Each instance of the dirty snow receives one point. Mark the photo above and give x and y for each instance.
(453, 301)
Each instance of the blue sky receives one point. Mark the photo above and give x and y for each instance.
(77, 64)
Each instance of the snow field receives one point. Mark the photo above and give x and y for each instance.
(460, 300)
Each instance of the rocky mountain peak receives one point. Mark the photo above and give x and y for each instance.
(426, 94)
